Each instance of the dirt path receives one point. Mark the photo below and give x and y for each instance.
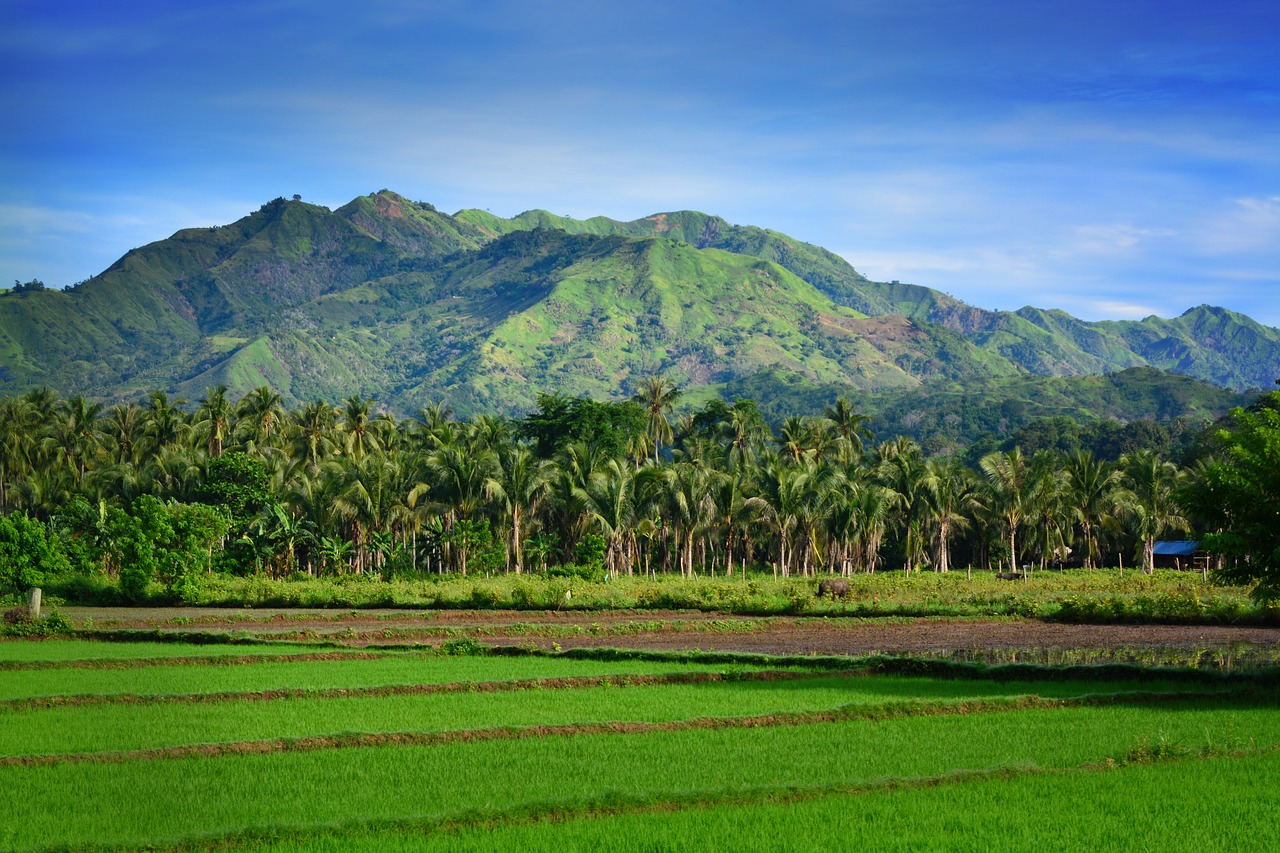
(669, 630)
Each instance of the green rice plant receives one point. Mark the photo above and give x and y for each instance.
(291, 792)
(1187, 807)
(54, 651)
(195, 678)
(65, 730)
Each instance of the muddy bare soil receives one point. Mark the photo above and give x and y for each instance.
(932, 636)
(666, 630)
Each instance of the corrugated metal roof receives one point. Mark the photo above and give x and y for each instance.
(1183, 548)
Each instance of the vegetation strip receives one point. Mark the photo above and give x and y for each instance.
(220, 660)
(343, 740)
(554, 683)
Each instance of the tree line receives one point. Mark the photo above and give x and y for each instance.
(162, 490)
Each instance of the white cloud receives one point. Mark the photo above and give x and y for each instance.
(1114, 310)
(1244, 225)
(1118, 239)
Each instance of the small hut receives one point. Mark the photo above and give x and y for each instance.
(1182, 554)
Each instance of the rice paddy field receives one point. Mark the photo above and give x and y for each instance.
(109, 745)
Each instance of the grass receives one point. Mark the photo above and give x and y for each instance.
(1099, 596)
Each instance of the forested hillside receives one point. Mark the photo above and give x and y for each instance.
(393, 299)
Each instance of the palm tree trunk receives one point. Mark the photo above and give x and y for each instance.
(517, 557)
(728, 547)
(944, 557)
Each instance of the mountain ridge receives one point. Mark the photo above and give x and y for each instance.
(388, 297)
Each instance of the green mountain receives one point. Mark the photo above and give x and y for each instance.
(390, 298)
(1209, 343)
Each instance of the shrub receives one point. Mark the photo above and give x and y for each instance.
(18, 623)
(463, 647)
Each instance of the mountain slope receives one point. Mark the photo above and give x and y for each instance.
(825, 270)
(608, 311)
(1214, 344)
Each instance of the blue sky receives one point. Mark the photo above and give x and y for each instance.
(1112, 159)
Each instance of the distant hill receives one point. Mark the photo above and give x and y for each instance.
(390, 298)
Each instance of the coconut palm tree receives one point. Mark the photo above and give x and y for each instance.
(657, 396)
(166, 425)
(1009, 492)
(372, 499)
(259, 416)
(732, 512)
(802, 437)
(788, 500)
(175, 473)
(1048, 514)
(948, 498)
(312, 432)
(460, 480)
(16, 434)
(688, 508)
(901, 467)
(850, 426)
(609, 501)
(1093, 488)
(875, 507)
(519, 485)
(123, 426)
(1151, 483)
(74, 435)
(213, 419)
(359, 436)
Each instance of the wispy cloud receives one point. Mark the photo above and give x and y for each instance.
(1117, 310)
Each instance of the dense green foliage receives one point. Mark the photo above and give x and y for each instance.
(1238, 497)
(613, 428)
(1166, 596)
(26, 555)
(1134, 409)
(156, 500)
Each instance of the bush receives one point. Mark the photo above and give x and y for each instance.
(463, 647)
(18, 623)
(592, 572)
